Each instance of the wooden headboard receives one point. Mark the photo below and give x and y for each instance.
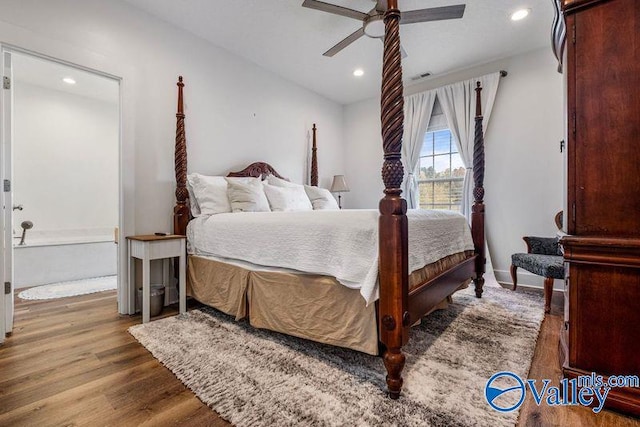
(182, 210)
(256, 170)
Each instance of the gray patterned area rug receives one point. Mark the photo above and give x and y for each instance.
(261, 378)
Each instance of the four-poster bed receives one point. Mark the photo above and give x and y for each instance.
(399, 305)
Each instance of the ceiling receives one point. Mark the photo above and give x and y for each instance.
(289, 40)
(49, 74)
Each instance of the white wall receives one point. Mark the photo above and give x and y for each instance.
(523, 180)
(363, 154)
(236, 111)
(65, 160)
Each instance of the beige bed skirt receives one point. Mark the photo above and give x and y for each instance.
(309, 306)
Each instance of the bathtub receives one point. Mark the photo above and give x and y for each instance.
(50, 256)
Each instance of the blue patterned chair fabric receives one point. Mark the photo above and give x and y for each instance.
(539, 264)
(544, 258)
(542, 245)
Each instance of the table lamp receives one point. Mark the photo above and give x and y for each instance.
(339, 186)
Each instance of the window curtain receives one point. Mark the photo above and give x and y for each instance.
(417, 113)
(458, 103)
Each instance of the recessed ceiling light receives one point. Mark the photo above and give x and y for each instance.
(69, 81)
(358, 72)
(520, 14)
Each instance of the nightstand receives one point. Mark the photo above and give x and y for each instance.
(150, 247)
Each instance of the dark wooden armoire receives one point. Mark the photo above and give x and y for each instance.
(601, 332)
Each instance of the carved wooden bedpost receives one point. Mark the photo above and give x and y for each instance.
(477, 213)
(181, 210)
(394, 293)
(314, 159)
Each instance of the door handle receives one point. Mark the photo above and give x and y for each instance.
(17, 207)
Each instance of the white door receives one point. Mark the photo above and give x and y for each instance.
(6, 273)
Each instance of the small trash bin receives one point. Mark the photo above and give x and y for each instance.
(156, 299)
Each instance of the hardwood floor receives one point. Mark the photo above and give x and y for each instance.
(545, 365)
(71, 362)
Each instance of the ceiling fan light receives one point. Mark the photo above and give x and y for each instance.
(520, 14)
(374, 27)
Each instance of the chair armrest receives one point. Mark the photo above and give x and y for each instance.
(542, 245)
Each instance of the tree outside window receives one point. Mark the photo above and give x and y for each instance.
(441, 172)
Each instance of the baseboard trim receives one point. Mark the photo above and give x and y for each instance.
(526, 279)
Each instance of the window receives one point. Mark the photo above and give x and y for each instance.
(441, 172)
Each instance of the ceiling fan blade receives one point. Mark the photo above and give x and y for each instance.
(332, 8)
(381, 5)
(403, 53)
(432, 14)
(344, 43)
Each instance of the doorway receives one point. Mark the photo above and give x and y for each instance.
(61, 166)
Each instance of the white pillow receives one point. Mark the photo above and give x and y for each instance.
(247, 197)
(279, 182)
(193, 202)
(210, 193)
(243, 179)
(287, 198)
(321, 198)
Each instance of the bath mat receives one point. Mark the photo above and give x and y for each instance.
(260, 378)
(71, 288)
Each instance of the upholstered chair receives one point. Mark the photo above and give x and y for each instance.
(543, 258)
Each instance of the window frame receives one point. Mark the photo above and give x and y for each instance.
(452, 146)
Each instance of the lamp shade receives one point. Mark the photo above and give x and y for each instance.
(339, 184)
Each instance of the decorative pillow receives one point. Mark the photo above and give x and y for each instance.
(287, 198)
(247, 197)
(321, 198)
(210, 194)
(279, 182)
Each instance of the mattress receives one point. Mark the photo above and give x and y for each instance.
(342, 244)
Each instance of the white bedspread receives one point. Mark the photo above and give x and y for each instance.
(342, 244)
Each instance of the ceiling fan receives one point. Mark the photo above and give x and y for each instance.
(372, 22)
